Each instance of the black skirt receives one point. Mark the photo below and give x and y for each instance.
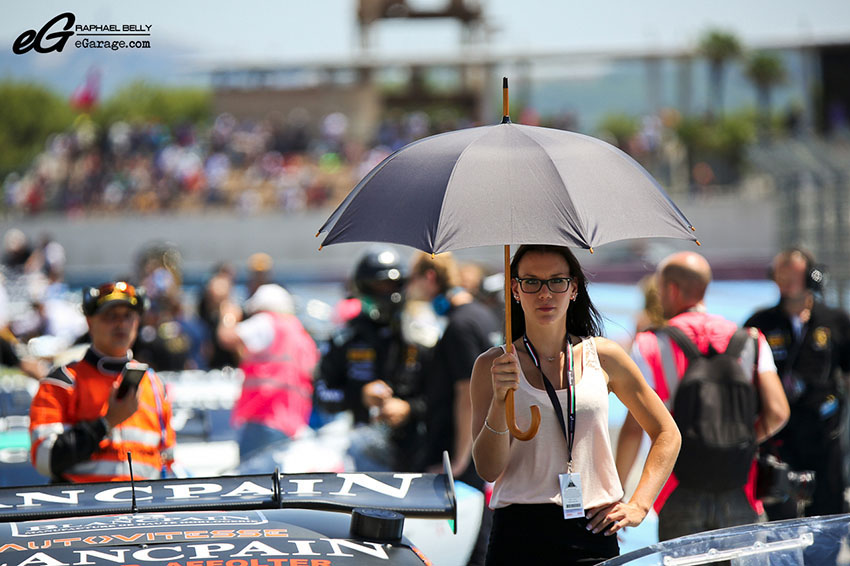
(539, 534)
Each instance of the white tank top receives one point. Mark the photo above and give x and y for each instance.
(533, 466)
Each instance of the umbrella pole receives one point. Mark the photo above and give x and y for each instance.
(510, 415)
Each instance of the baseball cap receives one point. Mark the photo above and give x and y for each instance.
(270, 297)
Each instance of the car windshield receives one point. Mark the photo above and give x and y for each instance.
(817, 541)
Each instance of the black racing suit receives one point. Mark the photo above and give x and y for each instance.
(810, 363)
(365, 350)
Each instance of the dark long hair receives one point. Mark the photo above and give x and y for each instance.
(582, 317)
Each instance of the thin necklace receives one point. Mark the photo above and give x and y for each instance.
(558, 355)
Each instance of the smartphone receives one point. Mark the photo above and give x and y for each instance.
(131, 376)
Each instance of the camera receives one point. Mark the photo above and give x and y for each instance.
(778, 483)
(801, 489)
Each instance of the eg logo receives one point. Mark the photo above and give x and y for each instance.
(31, 39)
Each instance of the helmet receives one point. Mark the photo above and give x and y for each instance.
(380, 273)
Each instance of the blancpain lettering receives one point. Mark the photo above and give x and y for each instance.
(258, 553)
(301, 487)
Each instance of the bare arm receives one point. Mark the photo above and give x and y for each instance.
(626, 381)
(774, 406)
(231, 314)
(34, 368)
(493, 375)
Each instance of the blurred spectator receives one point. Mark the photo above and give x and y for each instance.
(472, 329)
(164, 341)
(652, 315)
(216, 292)
(277, 356)
(259, 271)
(471, 275)
(16, 251)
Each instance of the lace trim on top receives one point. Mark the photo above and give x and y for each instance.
(590, 357)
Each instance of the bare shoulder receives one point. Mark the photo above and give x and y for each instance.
(609, 350)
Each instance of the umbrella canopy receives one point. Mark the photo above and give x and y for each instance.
(506, 184)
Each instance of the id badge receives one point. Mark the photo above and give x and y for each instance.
(571, 496)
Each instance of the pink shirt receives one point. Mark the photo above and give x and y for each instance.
(277, 391)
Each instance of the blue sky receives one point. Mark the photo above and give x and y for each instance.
(296, 29)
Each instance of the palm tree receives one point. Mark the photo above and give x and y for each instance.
(766, 71)
(718, 47)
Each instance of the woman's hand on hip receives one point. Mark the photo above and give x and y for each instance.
(608, 519)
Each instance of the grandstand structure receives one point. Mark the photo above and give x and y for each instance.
(370, 83)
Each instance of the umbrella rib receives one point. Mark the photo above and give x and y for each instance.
(449, 182)
(582, 229)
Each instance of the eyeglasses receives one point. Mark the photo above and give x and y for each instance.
(555, 284)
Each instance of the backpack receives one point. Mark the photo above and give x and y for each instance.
(715, 407)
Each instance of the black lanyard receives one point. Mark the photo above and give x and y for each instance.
(553, 396)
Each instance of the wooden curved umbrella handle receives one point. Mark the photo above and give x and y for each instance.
(510, 416)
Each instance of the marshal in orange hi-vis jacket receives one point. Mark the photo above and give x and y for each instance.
(70, 440)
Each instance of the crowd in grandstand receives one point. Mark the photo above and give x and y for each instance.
(249, 166)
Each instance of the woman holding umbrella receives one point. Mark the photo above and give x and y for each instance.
(557, 496)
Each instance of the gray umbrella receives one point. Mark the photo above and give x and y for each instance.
(506, 184)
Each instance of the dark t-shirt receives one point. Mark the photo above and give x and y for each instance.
(472, 329)
(7, 354)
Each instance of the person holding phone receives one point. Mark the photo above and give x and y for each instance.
(88, 415)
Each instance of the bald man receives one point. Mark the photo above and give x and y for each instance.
(682, 280)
